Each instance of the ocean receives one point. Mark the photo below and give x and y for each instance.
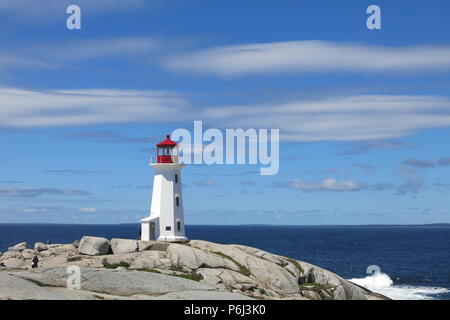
(411, 262)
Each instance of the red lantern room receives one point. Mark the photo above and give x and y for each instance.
(167, 151)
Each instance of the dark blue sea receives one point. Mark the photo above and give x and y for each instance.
(413, 261)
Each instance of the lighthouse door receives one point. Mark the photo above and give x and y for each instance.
(152, 231)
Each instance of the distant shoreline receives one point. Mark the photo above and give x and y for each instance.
(240, 225)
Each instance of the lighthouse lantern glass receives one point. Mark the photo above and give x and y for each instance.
(167, 154)
(167, 151)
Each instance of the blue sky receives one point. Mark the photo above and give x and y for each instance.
(364, 115)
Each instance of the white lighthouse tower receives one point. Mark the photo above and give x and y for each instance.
(166, 220)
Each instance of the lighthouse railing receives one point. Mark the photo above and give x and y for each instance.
(165, 159)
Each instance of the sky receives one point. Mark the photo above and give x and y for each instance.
(364, 115)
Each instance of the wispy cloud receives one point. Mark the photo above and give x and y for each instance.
(207, 183)
(36, 192)
(26, 108)
(418, 163)
(129, 186)
(248, 183)
(12, 181)
(110, 136)
(64, 214)
(238, 174)
(444, 162)
(366, 168)
(360, 147)
(371, 120)
(97, 48)
(441, 185)
(382, 186)
(412, 182)
(12, 61)
(348, 118)
(411, 185)
(310, 56)
(76, 172)
(34, 210)
(327, 171)
(29, 10)
(63, 55)
(322, 185)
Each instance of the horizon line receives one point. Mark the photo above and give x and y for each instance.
(236, 225)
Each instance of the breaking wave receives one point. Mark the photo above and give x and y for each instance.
(383, 284)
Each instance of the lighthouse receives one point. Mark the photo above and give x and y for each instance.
(166, 220)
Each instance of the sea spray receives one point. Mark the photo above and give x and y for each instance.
(383, 284)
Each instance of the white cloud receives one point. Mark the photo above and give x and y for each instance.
(26, 108)
(348, 118)
(310, 56)
(90, 210)
(339, 118)
(323, 185)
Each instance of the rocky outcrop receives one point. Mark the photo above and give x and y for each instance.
(119, 246)
(148, 270)
(145, 245)
(11, 254)
(13, 263)
(189, 258)
(18, 247)
(93, 246)
(100, 284)
(28, 254)
(39, 246)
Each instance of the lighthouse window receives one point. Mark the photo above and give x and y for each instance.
(177, 201)
(168, 228)
(178, 225)
(176, 178)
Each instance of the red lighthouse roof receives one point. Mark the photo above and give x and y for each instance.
(167, 142)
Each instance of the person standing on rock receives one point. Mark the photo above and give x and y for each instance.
(35, 262)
